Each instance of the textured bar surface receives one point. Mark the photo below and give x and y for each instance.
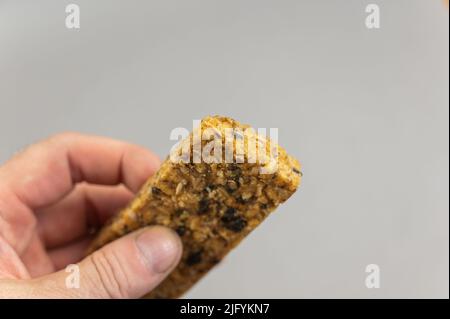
(211, 206)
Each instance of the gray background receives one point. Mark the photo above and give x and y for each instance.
(366, 112)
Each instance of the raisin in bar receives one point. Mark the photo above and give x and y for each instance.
(211, 204)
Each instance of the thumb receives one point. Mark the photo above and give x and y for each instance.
(126, 268)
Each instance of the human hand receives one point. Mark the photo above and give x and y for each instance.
(52, 196)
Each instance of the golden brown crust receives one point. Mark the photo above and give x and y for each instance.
(211, 206)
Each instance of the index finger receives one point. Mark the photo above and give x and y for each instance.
(45, 172)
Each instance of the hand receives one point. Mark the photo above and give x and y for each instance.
(52, 196)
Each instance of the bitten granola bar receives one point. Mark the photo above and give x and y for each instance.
(211, 204)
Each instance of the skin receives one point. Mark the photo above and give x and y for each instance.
(53, 196)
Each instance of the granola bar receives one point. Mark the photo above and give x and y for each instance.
(212, 205)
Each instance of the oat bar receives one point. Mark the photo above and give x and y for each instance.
(212, 206)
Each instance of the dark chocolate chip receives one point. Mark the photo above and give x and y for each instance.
(178, 212)
(203, 206)
(181, 230)
(296, 171)
(263, 206)
(240, 200)
(235, 170)
(194, 258)
(229, 214)
(229, 190)
(232, 185)
(156, 191)
(237, 224)
(215, 261)
(232, 221)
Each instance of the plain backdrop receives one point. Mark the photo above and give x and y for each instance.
(366, 112)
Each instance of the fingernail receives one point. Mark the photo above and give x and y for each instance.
(160, 247)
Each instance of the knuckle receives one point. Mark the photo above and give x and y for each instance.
(26, 225)
(18, 227)
(110, 277)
